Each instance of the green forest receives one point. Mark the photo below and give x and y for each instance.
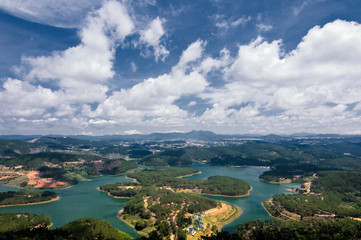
(284, 230)
(332, 163)
(221, 185)
(81, 229)
(17, 221)
(158, 211)
(332, 193)
(66, 167)
(25, 197)
(161, 212)
(121, 189)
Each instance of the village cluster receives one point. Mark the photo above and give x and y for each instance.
(198, 223)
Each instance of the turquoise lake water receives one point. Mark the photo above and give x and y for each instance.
(84, 200)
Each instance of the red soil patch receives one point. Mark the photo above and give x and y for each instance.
(39, 182)
(5, 177)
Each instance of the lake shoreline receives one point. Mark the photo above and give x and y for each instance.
(190, 175)
(98, 188)
(35, 203)
(221, 195)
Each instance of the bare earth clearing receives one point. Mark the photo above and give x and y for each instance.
(39, 182)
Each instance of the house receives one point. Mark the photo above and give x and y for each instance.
(201, 225)
(191, 231)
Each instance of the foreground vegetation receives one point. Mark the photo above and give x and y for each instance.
(12, 198)
(10, 222)
(18, 226)
(81, 229)
(285, 230)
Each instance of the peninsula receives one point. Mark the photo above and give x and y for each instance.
(12, 198)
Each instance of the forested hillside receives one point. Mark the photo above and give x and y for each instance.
(333, 194)
(285, 230)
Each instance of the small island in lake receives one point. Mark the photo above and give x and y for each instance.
(12, 198)
(171, 178)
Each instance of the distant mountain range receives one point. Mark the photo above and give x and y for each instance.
(193, 135)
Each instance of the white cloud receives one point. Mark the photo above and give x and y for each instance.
(133, 66)
(146, 2)
(90, 62)
(241, 21)
(192, 53)
(65, 13)
(298, 9)
(79, 73)
(22, 99)
(292, 91)
(263, 27)
(262, 89)
(152, 101)
(225, 23)
(208, 64)
(132, 131)
(192, 103)
(151, 37)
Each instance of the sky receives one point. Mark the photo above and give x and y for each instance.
(126, 67)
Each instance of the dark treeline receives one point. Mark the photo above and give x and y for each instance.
(121, 189)
(81, 229)
(120, 168)
(25, 197)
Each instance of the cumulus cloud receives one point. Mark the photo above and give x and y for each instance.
(261, 88)
(152, 101)
(192, 53)
(151, 37)
(295, 87)
(90, 62)
(79, 73)
(21, 99)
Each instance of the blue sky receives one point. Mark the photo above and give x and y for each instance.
(122, 67)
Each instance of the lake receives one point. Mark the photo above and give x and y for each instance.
(84, 200)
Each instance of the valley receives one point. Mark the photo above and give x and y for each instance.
(158, 185)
